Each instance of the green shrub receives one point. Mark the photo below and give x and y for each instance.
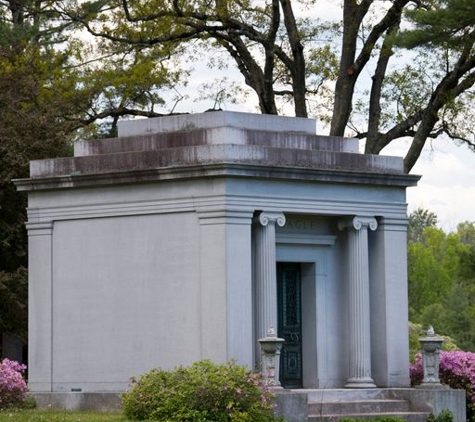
(201, 392)
(444, 416)
(378, 419)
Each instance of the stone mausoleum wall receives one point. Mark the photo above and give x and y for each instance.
(143, 250)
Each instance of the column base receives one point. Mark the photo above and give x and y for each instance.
(432, 385)
(360, 383)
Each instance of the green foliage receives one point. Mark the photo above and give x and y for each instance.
(294, 63)
(13, 302)
(444, 416)
(441, 272)
(51, 87)
(378, 419)
(443, 32)
(59, 416)
(31, 127)
(446, 22)
(416, 331)
(430, 266)
(419, 220)
(201, 392)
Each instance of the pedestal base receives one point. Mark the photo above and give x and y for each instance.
(360, 383)
(432, 386)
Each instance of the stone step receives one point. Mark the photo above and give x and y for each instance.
(407, 416)
(342, 394)
(359, 406)
(333, 405)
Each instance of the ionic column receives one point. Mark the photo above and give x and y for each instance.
(265, 271)
(358, 267)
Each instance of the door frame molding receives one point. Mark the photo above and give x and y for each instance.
(312, 252)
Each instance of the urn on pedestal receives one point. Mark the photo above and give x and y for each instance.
(270, 358)
(430, 346)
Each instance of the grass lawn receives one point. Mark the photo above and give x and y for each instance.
(59, 416)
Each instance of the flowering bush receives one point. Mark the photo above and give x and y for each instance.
(13, 387)
(457, 370)
(201, 392)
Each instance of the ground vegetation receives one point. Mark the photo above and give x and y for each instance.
(441, 273)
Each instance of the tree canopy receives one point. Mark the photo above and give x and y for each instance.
(32, 125)
(419, 56)
(419, 220)
(376, 70)
(55, 86)
(441, 272)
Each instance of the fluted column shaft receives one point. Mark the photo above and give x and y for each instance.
(265, 271)
(359, 300)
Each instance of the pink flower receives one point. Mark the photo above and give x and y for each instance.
(456, 369)
(13, 387)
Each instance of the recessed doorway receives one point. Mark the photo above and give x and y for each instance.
(289, 320)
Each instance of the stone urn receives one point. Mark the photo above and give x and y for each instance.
(270, 358)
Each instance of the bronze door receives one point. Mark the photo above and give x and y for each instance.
(290, 323)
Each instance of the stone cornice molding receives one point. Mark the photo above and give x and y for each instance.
(266, 217)
(215, 170)
(358, 223)
(393, 224)
(393, 214)
(39, 228)
(225, 216)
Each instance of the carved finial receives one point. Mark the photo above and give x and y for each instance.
(271, 332)
(430, 331)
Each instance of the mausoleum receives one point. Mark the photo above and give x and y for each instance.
(188, 237)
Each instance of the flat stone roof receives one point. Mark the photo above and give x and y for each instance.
(215, 119)
(215, 136)
(236, 143)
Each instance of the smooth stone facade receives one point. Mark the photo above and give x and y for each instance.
(144, 251)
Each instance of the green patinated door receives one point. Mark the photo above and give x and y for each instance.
(290, 323)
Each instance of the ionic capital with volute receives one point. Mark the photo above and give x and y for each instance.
(358, 223)
(268, 217)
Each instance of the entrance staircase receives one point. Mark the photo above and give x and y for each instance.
(334, 405)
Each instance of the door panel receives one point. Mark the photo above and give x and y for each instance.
(290, 323)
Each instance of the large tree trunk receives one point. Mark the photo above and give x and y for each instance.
(373, 138)
(347, 74)
(350, 65)
(298, 70)
(269, 66)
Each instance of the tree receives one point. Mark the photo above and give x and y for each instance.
(419, 220)
(30, 127)
(285, 57)
(445, 28)
(466, 230)
(268, 53)
(441, 272)
(51, 89)
(420, 86)
(430, 280)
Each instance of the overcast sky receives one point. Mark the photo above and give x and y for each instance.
(447, 186)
